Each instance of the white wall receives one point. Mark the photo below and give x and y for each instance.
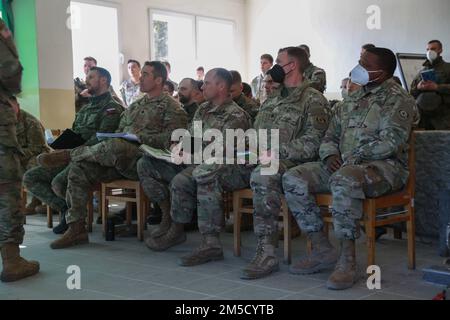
(135, 28)
(335, 30)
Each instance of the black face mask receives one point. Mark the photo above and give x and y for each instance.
(277, 73)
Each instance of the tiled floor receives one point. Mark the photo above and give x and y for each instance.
(126, 269)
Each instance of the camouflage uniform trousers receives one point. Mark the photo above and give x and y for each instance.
(11, 217)
(155, 176)
(267, 193)
(48, 185)
(107, 161)
(349, 186)
(203, 186)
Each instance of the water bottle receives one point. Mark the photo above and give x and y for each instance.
(110, 230)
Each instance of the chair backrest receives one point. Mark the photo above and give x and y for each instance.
(411, 185)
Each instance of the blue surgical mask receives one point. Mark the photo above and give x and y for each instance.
(361, 76)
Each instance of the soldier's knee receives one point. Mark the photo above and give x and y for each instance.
(294, 180)
(182, 182)
(144, 165)
(257, 179)
(348, 178)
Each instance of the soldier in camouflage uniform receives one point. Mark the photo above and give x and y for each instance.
(316, 75)
(130, 90)
(187, 91)
(250, 106)
(11, 218)
(102, 114)
(433, 98)
(301, 115)
(31, 137)
(151, 119)
(203, 185)
(364, 154)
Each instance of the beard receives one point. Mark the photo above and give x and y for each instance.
(183, 99)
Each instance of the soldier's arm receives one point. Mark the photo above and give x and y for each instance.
(305, 147)
(174, 118)
(414, 90)
(330, 143)
(395, 128)
(108, 123)
(319, 80)
(36, 143)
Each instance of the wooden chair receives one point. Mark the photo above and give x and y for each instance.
(129, 192)
(90, 211)
(373, 219)
(239, 208)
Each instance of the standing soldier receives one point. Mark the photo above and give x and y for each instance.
(364, 154)
(11, 219)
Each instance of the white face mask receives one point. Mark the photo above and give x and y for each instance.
(432, 55)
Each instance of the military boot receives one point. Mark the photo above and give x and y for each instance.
(59, 158)
(175, 235)
(14, 266)
(344, 275)
(75, 235)
(31, 208)
(166, 220)
(210, 250)
(62, 227)
(265, 261)
(323, 256)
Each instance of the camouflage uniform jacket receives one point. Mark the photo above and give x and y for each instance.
(102, 114)
(302, 119)
(317, 77)
(373, 125)
(250, 106)
(153, 120)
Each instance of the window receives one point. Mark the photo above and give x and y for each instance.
(98, 40)
(189, 41)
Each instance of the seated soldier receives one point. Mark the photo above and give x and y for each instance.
(31, 137)
(301, 115)
(201, 185)
(249, 106)
(102, 114)
(316, 75)
(433, 96)
(364, 154)
(151, 120)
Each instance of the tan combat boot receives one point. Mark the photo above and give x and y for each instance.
(75, 235)
(14, 266)
(265, 261)
(166, 220)
(210, 250)
(344, 275)
(59, 158)
(175, 235)
(31, 208)
(323, 256)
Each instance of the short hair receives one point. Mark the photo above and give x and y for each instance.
(368, 46)
(167, 64)
(299, 55)
(200, 84)
(436, 41)
(201, 69)
(192, 82)
(159, 70)
(386, 59)
(306, 48)
(236, 77)
(103, 73)
(225, 76)
(91, 59)
(247, 89)
(134, 61)
(267, 57)
(170, 85)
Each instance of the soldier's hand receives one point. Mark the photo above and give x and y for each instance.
(85, 94)
(334, 163)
